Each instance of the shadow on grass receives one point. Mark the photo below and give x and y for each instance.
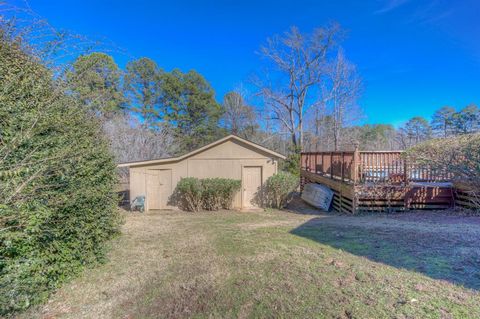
(453, 258)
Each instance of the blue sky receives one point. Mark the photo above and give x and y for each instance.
(413, 55)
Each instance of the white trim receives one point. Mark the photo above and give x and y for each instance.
(179, 158)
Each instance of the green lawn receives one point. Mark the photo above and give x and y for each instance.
(279, 264)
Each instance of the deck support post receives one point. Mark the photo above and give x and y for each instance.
(406, 198)
(355, 170)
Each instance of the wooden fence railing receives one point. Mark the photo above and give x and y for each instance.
(368, 166)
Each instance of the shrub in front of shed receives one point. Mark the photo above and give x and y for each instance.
(219, 192)
(193, 194)
(278, 189)
(228, 190)
(211, 191)
(188, 194)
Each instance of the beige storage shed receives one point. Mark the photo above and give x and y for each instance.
(230, 157)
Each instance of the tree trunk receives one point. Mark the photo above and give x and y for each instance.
(300, 128)
(294, 140)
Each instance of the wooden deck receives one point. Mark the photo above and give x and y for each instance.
(380, 181)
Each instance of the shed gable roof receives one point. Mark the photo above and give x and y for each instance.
(201, 149)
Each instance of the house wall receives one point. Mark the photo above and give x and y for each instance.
(225, 160)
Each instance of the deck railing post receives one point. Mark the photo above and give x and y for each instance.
(342, 167)
(405, 170)
(356, 162)
(331, 165)
(323, 165)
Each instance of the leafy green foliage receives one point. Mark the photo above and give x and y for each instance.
(95, 79)
(190, 109)
(443, 121)
(218, 192)
(278, 189)
(467, 120)
(143, 85)
(58, 205)
(188, 194)
(193, 194)
(292, 163)
(375, 135)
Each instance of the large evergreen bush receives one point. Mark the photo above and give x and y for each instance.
(57, 204)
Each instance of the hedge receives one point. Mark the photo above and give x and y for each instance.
(193, 194)
(57, 178)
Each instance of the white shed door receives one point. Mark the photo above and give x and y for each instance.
(252, 183)
(159, 188)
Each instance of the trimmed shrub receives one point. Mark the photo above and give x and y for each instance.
(228, 190)
(211, 193)
(188, 194)
(57, 179)
(279, 188)
(219, 192)
(193, 194)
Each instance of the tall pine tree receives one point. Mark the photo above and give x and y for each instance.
(190, 110)
(442, 121)
(142, 85)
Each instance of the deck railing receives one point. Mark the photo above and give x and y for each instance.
(336, 165)
(370, 166)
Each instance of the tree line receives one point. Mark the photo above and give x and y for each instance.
(149, 112)
(445, 122)
(145, 101)
(306, 98)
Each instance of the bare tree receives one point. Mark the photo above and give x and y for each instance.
(343, 91)
(318, 134)
(299, 64)
(239, 118)
(132, 141)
